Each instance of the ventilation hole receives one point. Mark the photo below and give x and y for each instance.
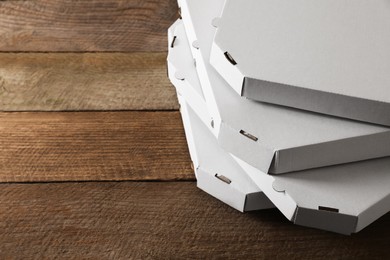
(230, 58)
(223, 178)
(328, 209)
(173, 41)
(248, 135)
(212, 123)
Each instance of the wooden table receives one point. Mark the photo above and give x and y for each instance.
(93, 158)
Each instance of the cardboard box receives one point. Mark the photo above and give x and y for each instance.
(216, 172)
(324, 56)
(272, 138)
(343, 199)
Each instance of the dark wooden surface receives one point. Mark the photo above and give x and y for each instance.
(160, 221)
(116, 182)
(80, 146)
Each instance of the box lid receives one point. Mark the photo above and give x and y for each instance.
(273, 138)
(326, 56)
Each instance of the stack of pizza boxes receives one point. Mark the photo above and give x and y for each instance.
(286, 104)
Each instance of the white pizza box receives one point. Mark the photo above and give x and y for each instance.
(216, 172)
(326, 56)
(344, 198)
(273, 139)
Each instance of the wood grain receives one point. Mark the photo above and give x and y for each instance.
(80, 146)
(160, 221)
(85, 25)
(89, 81)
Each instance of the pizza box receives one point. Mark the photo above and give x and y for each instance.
(327, 56)
(216, 172)
(274, 139)
(343, 199)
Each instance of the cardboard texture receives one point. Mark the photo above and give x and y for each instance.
(327, 56)
(272, 138)
(343, 199)
(216, 172)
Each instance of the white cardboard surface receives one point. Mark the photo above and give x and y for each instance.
(287, 139)
(208, 158)
(326, 56)
(360, 192)
(213, 163)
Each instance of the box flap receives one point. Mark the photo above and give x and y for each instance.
(327, 220)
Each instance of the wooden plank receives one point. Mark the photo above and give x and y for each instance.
(88, 25)
(90, 81)
(81, 146)
(160, 221)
